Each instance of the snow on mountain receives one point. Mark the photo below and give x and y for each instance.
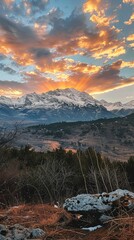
(60, 97)
(6, 100)
(54, 106)
(129, 105)
(117, 105)
(53, 99)
(68, 96)
(32, 100)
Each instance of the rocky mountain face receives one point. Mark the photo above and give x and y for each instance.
(119, 108)
(53, 106)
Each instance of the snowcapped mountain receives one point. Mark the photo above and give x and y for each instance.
(129, 105)
(119, 108)
(53, 106)
(55, 99)
(6, 100)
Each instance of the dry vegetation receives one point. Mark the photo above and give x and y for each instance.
(111, 137)
(56, 222)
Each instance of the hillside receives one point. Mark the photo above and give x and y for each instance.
(112, 137)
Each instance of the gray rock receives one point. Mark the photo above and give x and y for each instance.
(100, 203)
(18, 226)
(2, 237)
(37, 232)
(3, 230)
(105, 218)
(18, 232)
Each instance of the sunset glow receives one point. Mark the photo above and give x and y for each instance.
(48, 44)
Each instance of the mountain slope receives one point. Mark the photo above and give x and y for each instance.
(54, 106)
(118, 108)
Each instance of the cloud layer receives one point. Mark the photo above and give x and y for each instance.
(49, 46)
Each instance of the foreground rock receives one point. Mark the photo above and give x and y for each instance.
(100, 208)
(18, 232)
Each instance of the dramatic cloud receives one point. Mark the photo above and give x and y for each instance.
(107, 78)
(91, 79)
(11, 88)
(56, 45)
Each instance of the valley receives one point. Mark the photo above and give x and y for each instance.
(113, 138)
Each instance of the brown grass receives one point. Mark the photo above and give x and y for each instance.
(55, 222)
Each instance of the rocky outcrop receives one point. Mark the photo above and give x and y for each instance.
(18, 232)
(100, 208)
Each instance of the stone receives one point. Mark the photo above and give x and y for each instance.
(100, 203)
(37, 233)
(3, 230)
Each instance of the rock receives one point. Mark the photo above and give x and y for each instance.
(86, 203)
(18, 232)
(99, 202)
(3, 230)
(37, 233)
(18, 226)
(2, 237)
(100, 208)
(105, 218)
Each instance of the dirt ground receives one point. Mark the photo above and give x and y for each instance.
(56, 223)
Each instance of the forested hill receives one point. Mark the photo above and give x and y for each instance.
(111, 137)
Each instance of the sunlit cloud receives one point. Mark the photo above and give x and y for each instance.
(103, 79)
(94, 6)
(43, 41)
(131, 20)
(102, 20)
(127, 64)
(130, 37)
(128, 1)
(103, 44)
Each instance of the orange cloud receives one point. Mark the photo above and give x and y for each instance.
(104, 79)
(103, 44)
(128, 1)
(127, 64)
(83, 67)
(130, 37)
(93, 5)
(9, 92)
(102, 20)
(131, 20)
(131, 45)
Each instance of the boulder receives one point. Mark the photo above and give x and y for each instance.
(100, 203)
(99, 208)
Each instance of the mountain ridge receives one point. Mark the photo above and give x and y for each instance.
(54, 106)
(68, 95)
(59, 105)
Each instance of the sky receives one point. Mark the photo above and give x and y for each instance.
(83, 44)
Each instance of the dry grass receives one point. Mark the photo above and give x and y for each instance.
(55, 222)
